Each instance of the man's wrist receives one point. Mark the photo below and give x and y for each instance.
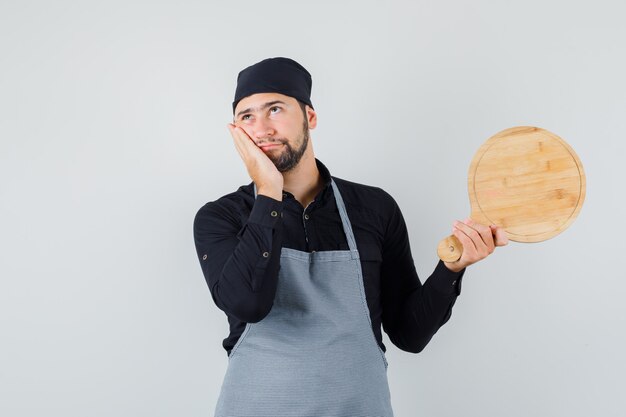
(452, 266)
(276, 194)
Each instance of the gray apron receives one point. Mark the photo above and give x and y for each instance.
(315, 353)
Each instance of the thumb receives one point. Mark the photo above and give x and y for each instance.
(500, 237)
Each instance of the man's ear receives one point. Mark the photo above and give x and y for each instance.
(311, 117)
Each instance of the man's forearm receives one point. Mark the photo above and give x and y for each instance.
(242, 270)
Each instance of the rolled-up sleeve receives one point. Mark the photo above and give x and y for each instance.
(240, 260)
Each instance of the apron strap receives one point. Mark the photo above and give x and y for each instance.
(347, 227)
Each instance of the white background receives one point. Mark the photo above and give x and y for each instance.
(113, 134)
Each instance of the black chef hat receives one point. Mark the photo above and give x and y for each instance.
(274, 75)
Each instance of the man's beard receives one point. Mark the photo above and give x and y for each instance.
(289, 158)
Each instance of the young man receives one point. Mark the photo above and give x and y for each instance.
(307, 266)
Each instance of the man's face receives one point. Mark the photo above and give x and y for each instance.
(277, 125)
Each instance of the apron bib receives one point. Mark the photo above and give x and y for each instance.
(315, 353)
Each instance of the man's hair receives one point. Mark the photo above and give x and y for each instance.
(303, 108)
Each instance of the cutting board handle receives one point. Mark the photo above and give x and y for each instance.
(450, 249)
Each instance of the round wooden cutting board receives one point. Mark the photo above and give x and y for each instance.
(528, 181)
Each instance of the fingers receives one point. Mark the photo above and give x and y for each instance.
(244, 144)
(235, 134)
(478, 240)
(469, 248)
(501, 238)
(480, 235)
(484, 232)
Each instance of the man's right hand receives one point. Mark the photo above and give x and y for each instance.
(268, 180)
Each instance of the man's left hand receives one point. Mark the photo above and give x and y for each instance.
(478, 240)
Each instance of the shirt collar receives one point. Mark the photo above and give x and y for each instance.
(326, 179)
(324, 172)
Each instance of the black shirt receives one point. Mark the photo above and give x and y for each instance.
(238, 240)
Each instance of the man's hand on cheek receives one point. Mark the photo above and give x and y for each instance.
(262, 171)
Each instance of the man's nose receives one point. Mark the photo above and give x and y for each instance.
(263, 129)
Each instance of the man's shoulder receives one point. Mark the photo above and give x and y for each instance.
(363, 195)
(229, 205)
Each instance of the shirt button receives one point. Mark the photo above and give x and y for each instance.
(274, 213)
(454, 282)
(266, 254)
(306, 217)
(204, 257)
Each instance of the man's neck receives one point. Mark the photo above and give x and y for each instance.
(304, 181)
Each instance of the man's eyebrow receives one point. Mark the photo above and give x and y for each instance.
(263, 107)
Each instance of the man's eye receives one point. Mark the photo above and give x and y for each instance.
(245, 117)
(275, 109)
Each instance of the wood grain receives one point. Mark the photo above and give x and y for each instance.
(527, 180)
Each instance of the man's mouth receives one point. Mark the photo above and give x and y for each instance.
(269, 146)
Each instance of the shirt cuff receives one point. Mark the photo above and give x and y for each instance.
(446, 281)
(266, 211)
